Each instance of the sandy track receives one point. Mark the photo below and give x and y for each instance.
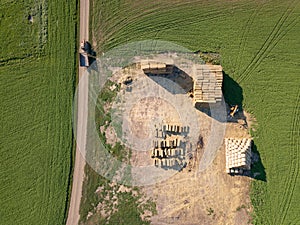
(78, 175)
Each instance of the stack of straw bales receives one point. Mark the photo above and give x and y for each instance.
(238, 154)
(208, 84)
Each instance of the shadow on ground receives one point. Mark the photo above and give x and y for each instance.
(233, 95)
(257, 169)
(177, 159)
(232, 91)
(91, 56)
(183, 83)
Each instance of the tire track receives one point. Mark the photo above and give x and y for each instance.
(137, 14)
(131, 22)
(117, 25)
(171, 24)
(165, 25)
(257, 58)
(272, 40)
(294, 168)
(266, 53)
(242, 44)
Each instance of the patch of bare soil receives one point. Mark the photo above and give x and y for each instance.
(110, 135)
(251, 121)
(209, 197)
(190, 197)
(146, 110)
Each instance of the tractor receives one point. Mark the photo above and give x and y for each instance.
(233, 110)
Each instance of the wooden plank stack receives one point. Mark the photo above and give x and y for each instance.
(174, 128)
(208, 84)
(238, 154)
(167, 146)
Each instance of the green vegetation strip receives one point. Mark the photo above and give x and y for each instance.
(259, 45)
(37, 78)
(100, 194)
(103, 202)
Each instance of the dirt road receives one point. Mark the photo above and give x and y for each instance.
(78, 175)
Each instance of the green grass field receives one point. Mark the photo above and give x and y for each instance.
(259, 45)
(38, 64)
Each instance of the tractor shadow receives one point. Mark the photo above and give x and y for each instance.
(233, 95)
(232, 91)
